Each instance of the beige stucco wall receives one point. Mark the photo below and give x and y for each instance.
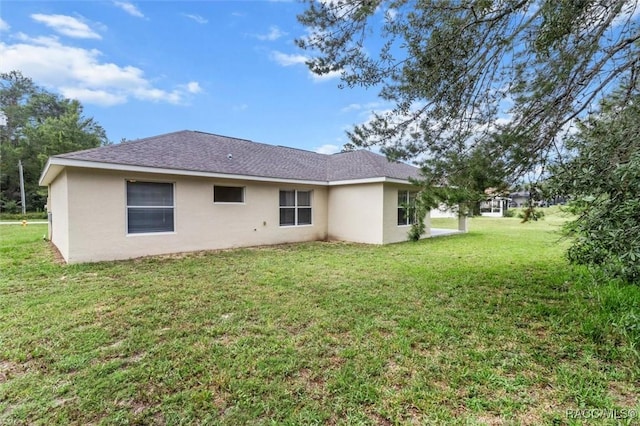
(355, 213)
(367, 213)
(97, 210)
(392, 233)
(89, 215)
(57, 205)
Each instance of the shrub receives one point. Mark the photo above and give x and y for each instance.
(20, 216)
(603, 178)
(531, 213)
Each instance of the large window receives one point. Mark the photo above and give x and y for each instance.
(295, 208)
(407, 207)
(150, 207)
(228, 194)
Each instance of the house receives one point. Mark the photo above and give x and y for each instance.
(190, 191)
(495, 206)
(519, 199)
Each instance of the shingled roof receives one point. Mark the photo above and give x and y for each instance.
(198, 152)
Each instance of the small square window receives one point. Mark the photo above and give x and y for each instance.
(228, 194)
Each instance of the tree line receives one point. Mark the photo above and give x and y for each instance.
(37, 125)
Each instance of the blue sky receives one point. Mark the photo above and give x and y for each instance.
(150, 67)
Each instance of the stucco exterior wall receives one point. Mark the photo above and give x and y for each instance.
(393, 233)
(57, 206)
(355, 213)
(97, 210)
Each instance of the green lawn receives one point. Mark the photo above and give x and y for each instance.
(491, 327)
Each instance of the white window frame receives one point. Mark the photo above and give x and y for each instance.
(296, 207)
(127, 207)
(244, 194)
(407, 193)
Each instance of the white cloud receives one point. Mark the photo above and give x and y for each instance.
(66, 25)
(360, 107)
(193, 87)
(328, 149)
(324, 77)
(81, 74)
(130, 8)
(158, 95)
(3, 25)
(287, 60)
(273, 34)
(91, 96)
(199, 19)
(241, 107)
(352, 107)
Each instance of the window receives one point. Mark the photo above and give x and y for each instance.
(228, 194)
(406, 207)
(295, 208)
(150, 207)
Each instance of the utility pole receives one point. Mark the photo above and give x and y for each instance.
(24, 204)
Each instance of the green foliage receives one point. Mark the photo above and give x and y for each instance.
(510, 213)
(603, 177)
(611, 315)
(15, 216)
(531, 213)
(9, 206)
(459, 180)
(39, 124)
(423, 204)
(453, 70)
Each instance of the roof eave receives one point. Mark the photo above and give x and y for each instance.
(56, 164)
(50, 172)
(381, 179)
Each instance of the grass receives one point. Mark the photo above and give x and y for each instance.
(444, 222)
(491, 327)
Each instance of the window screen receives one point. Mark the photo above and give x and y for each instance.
(228, 194)
(295, 208)
(150, 207)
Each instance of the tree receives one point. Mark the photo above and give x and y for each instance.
(39, 124)
(603, 177)
(477, 170)
(459, 72)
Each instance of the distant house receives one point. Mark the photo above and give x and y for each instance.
(519, 199)
(189, 191)
(494, 207)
